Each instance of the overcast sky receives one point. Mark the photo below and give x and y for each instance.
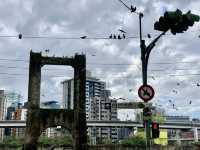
(115, 61)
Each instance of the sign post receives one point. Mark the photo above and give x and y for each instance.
(146, 92)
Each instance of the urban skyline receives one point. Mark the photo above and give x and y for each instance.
(172, 72)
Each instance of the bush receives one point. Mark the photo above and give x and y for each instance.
(11, 142)
(134, 141)
(58, 141)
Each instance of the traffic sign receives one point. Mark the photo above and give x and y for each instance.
(146, 92)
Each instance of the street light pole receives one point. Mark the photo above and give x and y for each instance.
(145, 52)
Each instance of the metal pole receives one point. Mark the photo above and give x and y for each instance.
(144, 78)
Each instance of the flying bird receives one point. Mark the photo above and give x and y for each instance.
(175, 91)
(133, 9)
(170, 100)
(173, 106)
(122, 31)
(198, 84)
(83, 37)
(178, 84)
(130, 90)
(46, 50)
(153, 77)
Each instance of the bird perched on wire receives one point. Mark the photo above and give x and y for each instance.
(124, 36)
(83, 37)
(133, 9)
(119, 37)
(20, 36)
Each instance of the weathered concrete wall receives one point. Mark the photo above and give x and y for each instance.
(40, 119)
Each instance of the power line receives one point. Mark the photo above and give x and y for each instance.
(80, 38)
(123, 64)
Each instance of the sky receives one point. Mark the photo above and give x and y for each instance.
(173, 69)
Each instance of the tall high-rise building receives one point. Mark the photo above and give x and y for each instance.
(103, 108)
(98, 106)
(94, 87)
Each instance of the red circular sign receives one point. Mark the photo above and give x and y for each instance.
(146, 92)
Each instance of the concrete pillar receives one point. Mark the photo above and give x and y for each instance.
(196, 138)
(80, 128)
(33, 127)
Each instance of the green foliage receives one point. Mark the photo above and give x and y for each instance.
(107, 141)
(11, 142)
(134, 141)
(141, 105)
(158, 118)
(58, 141)
(197, 144)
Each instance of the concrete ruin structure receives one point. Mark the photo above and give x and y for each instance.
(39, 119)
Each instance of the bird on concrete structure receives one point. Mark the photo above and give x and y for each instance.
(83, 37)
(122, 31)
(110, 37)
(190, 102)
(114, 36)
(133, 9)
(149, 36)
(198, 84)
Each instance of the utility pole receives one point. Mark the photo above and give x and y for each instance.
(145, 52)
